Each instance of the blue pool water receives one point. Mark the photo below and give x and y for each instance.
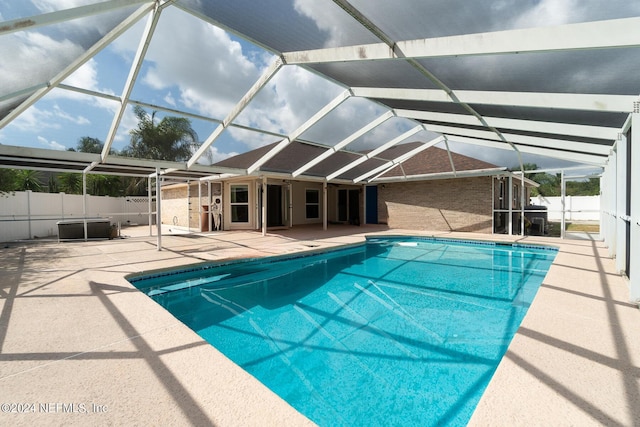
(400, 331)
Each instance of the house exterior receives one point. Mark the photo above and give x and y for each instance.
(432, 190)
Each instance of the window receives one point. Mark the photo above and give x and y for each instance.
(240, 203)
(313, 204)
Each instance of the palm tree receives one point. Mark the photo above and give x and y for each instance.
(87, 144)
(104, 185)
(53, 184)
(28, 180)
(70, 183)
(172, 138)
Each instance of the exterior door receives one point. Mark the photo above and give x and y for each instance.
(349, 206)
(275, 212)
(372, 204)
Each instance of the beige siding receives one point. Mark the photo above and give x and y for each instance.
(299, 190)
(462, 204)
(176, 210)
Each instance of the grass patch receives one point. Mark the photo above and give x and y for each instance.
(555, 227)
(590, 228)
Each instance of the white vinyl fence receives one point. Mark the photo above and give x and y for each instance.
(577, 208)
(28, 215)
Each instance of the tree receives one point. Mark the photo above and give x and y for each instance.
(7, 180)
(172, 138)
(549, 184)
(104, 185)
(70, 183)
(53, 184)
(590, 187)
(27, 179)
(87, 144)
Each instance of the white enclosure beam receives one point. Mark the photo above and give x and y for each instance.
(375, 152)
(400, 159)
(453, 166)
(266, 76)
(560, 144)
(65, 15)
(300, 130)
(87, 55)
(588, 35)
(348, 140)
(439, 175)
(143, 46)
(585, 131)
(572, 101)
(22, 92)
(558, 154)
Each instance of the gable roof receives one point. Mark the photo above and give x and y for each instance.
(430, 161)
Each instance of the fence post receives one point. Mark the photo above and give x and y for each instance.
(29, 212)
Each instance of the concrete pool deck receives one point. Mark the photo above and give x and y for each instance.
(79, 345)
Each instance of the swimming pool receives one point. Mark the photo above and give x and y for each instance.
(397, 331)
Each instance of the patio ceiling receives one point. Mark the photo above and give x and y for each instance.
(484, 75)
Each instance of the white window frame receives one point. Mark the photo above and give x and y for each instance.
(232, 203)
(307, 204)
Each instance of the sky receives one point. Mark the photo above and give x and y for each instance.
(205, 79)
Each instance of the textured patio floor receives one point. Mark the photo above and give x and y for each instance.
(80, 346)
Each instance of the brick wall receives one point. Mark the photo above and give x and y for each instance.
(462, 204)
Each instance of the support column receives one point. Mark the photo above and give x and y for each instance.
(189, 206)
(522, 204)
(150, 206)
(290, 207)
(621, 204)
(209, 199)
(634, 247)
(29, 216)
(158, 210)
(562, 204)
(608, 205)
(84, 205)
(324, 205)
(493, 205)
(510, 213)
(264, 206)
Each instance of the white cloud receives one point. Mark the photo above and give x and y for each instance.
(37, 120)
(85, 77)
(52, 145)
(292, 97)
(101, 23)
(59, 113)
(216, 155)
(28, 48)
(47, 6)
(211, 76)
(169, 99)
(548, 12)
(328, 19)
